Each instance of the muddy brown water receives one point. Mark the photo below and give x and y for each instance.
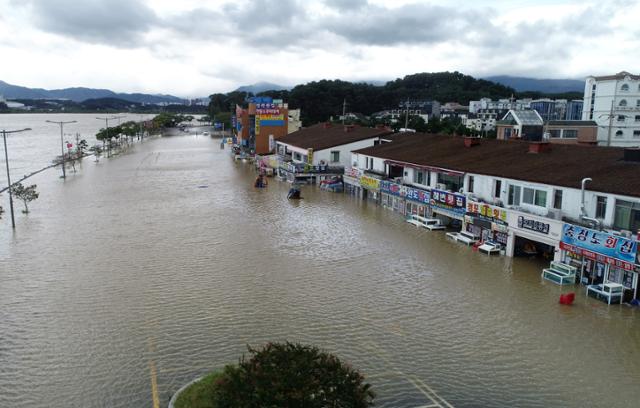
(161, 264)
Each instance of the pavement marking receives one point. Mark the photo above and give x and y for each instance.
(154, 384)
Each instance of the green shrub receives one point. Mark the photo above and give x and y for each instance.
(291, 375)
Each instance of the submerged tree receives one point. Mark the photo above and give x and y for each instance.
(26, 194)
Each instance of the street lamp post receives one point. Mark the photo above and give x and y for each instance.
(64, 172)
(106, 124)
(6, 159)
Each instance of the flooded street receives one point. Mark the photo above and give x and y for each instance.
(141, 272)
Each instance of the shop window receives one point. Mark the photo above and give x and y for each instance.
(497, 188)
(627, 215)
(601, 206)
(470, 186)
(452, 183)
(335, 156)
(514, 195)
(418, 176)
(557, 199)
(554, 133)
(534, 197)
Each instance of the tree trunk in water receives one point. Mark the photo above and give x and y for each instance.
(26, 208)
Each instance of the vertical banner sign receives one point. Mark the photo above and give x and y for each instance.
(310, 157)
(272, 143)
(257, 125)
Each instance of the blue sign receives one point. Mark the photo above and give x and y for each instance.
(450, 202)
(418, 195)
(600, 242)
(410, 193)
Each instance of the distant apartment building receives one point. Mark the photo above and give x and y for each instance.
(574, 110)
(425, 109)
(500, 104)
(613, 102)
(484, 120)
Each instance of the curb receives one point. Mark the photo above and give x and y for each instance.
(184, 387)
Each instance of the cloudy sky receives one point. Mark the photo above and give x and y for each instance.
(197, 47)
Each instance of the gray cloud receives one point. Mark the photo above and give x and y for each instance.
(113, 22)
(346, 4)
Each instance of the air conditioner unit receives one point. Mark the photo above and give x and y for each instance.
(441, 186)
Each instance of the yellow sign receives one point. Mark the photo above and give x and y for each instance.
(487, 211)
(257, 125)
(370, 183)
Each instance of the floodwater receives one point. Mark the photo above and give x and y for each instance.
(141, 272)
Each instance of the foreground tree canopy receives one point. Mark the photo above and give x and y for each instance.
(282, 375)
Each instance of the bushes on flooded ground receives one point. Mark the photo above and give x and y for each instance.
(287, 375)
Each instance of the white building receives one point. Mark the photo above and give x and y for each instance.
(500, 104)
(323, 150)
(526, 197)
(613, 101)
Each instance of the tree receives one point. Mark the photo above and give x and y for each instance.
(291, 375)
(26, 194)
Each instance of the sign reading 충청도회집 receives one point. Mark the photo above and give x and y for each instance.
(602, 243)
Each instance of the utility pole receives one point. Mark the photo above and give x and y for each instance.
(406, 118)
(610, 123)
(62, 123)
(106, 124)
(344, 110)
(6, 160)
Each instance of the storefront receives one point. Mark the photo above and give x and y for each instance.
(450, 205)
(417, 201)
(351, 180)
(487, 221)
(601, 258)
(392, 197)
(370, 188)
(533, 236)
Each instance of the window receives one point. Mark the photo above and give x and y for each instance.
(623, 103)
(335, 156)
(534, 197)
(624, 87)
(555, 133)
(497, 188)
(514, 195)
(638, 102)
(452, 183)
(621, 118)
(570, 134)
(601, 206)
(297, 156)
(636, 133)
(470, 186)
(557, 199)
(627, 215)
(619, 133)
(637, 118)
(418, 176)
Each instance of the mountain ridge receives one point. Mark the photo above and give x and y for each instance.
(526, 84)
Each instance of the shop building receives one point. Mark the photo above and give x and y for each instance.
(324, 150)
(260, 124)
(507, 192)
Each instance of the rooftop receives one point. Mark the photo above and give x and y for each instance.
(562, 165)
(572, 123)
(619, 75)
(326, 135)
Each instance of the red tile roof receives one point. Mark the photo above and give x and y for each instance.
(563, 165)
(324, 136)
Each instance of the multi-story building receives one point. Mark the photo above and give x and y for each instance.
(500, 104)
(258, 126)
(425, 109)
(550, 109)
(613, 101)
(484, 120)
(574, 110)
(586, 214)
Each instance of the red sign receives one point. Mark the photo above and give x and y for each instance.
(597, 257)
(69, 145)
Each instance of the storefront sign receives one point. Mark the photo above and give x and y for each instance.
(353, 172)
(449, 202)
(390, 188)
(596, 256)
(416, 194)
(610, 246)
(487, 211)
(533, 225)
(370, 183)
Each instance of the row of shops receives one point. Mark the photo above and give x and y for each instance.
(599, 257)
